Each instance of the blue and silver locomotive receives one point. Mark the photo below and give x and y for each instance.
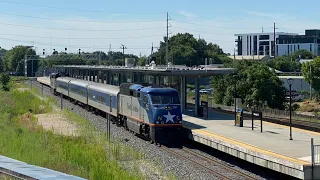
(152, 111)
(145, 110)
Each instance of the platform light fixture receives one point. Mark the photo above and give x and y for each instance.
(290, 80)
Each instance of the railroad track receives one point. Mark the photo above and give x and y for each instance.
(210, 165)
(10, 175)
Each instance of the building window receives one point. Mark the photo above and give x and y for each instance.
(264, 37)
(310, 47)
(298, 46)
(250, 45)
(247, 45)
(294, 47)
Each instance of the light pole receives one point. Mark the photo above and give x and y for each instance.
(290, 84)
(235, 96)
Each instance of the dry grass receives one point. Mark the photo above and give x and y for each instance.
(58, 124)
(309, 106)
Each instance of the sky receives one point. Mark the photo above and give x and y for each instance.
(104, 25)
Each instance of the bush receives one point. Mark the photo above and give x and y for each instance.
(5, 79)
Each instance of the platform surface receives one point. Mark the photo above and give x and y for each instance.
(33, 171)
(44, 80)
(274, 140)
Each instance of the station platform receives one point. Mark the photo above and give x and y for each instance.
(44, 80)
(27, 171)
(271, 149)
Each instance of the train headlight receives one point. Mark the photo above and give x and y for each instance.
(157, 122)
(180, 122)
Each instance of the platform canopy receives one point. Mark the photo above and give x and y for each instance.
(158, 70)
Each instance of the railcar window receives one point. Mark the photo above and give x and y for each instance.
(165, 99)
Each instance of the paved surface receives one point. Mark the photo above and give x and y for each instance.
(44, 80)
(274, 138)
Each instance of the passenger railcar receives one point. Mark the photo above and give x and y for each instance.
(150, 111)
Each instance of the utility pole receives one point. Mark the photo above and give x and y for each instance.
(310, 82)
(123, 47)
(274, 38)
(167, 48)
(262, 29)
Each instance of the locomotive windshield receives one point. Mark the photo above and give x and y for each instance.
(164, 99)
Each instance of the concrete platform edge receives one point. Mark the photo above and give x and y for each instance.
(270, 162)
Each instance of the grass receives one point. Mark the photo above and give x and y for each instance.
(89, 155)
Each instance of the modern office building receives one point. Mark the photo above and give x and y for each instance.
(287, 44)
(262, 44)
(257, 44)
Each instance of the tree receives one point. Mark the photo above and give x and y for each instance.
(311, 73)
(2, 54)
(5, 79)
(142, 61)
(13, 60)
(184, 49)
(255, 85)
(285, 64)
(304, 54)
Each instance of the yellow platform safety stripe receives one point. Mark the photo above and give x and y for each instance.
(250, 147)
(293, 128)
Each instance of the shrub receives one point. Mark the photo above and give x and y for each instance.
(5, 79)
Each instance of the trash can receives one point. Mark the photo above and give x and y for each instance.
(200, 111)
(239, 118)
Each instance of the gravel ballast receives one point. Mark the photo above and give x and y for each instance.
(168, 163)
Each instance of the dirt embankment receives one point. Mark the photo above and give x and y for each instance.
(57, 123)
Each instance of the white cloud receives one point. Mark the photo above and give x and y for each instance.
(187, 14)
(267, 15)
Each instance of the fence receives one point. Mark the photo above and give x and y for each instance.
(267, 112)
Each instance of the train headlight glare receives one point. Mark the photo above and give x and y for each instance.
(157, 122)
(180, 122)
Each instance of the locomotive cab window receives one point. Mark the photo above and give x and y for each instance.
(145, 100)
(164, 99)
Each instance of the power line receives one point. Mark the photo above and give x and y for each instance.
(73, 20)
(71, 9)
(38, 27)
(72, 46)
(80, 46)
(47, 37)
(210, 25)
(201, 31)
(217, 20)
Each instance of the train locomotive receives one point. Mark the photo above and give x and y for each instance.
(152, 112)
